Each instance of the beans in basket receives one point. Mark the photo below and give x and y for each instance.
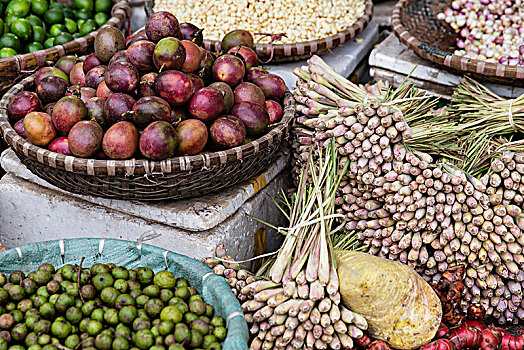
(104, 307)
(299, 20)
(32, 25)
(155, 95)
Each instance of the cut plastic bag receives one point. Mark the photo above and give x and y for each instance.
(401, 308)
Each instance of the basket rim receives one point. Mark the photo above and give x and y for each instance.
(308, 47)
(133, 167)
(119, 10)
(449, 59)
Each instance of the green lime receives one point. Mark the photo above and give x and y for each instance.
(71, 25)
(7, 52)
(87, 27)
(103, 5)
(63, 38)
(2, 8)
(18, 7)
(49, 43)
(2, 26)
(56, 5)
(39, 7)
(53, 16)
(10, 19)
(80, 22)
(57, 29)
(22, 28)
(83, 14)
(101, 18)
(35, 20)
(34, 46)
(77, 35)
(83, 4)
(38, 34)
(69, 13)
(11, 40)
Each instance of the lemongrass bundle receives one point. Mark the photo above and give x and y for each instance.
(406, 206)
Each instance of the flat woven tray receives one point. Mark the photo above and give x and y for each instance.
(15, 68)
(297, 51)
(415, 23)
(144, 180)
(131, 255)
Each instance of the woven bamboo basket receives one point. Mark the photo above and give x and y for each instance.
(415, 23)
(15, 68)
(297, 51)
(144, 180)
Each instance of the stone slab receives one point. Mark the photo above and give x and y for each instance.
(344, 59)
(195, 214)
(392, 61)
(30, 212)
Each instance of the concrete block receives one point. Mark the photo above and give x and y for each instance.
(392, 61)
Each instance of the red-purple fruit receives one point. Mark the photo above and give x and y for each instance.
(249, 92)
(192, 137)
(120, 56)
(193, 56)
(66, 63)
(274, 110)
(140, 54)
(103, 91)
(255, 72)
(60, 145)
(95, 111)
(227, 92)
(158, 141)
(175, 87)
(85, 138)
(254, 117)
(249, 55)
(236, 38)
(91, 62)
(48, 108)
(19, 128)
(108, 41)
(77, 75)
(84, 93)
(229, 69)
(140, 35)
(116, 107)
(39, 128)
(192, 33)
(198, 83)
(146, 85)
(95, 76)
(178, 114)
(205, 69)
(162, 24)
(149, 109)
(206, 104)
(47, 71)
(227, 132)
(120, 141)
(122, 77)
(273, 86)
(68, 111)
(23, 103)
(169, 54)
(51, 89)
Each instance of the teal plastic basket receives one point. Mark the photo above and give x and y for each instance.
(211, 287)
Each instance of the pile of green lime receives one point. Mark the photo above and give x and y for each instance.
(32, 25)
(104, 307)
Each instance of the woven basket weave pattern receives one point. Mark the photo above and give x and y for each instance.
(138, 179)
(416, 25)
